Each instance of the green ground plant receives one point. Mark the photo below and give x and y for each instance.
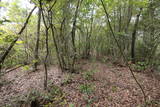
(89, 75)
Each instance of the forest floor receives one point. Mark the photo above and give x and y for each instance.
(96, 84)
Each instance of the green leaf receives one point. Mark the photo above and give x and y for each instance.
(19, 42)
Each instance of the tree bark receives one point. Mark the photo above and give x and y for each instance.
(45, 61)
(129, 16)
(37, 41)
(73, 34)
(88, 42)
(47, 49)
(134, 37)
(47, 27)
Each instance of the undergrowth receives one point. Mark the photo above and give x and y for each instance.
(89, 75)
(53, 97)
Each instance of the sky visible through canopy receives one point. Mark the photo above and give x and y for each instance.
(22, 4)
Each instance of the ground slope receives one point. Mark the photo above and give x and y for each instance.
(106, 85)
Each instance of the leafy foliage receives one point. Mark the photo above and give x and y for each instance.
(140, 66)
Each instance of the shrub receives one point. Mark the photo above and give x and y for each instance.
(140, 66)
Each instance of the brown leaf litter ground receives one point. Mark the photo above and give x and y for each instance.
(112, 86)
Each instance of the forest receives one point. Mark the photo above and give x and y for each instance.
(79, 53)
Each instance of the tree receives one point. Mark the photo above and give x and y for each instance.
(134, 37)
(73, 35)
(37, 42)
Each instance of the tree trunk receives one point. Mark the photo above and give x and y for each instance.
(134, 37)
(73, 34)
(89, 37)
(45, 61)
(120, 19)
(37, 41)
(129, 16)
(47, 27)
(152, 46)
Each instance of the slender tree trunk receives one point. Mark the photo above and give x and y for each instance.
(37, 41)
(89, 36)
(46, 43)
(63, 49)
(26, 45)
(86, 42)
(45, 61)
(153, 45)
(134, 37)
(114, 18)
(56, 45)
(73, 34)
(47, 27)
(129, 16)
(120, 19)
(47, 52)
(47, 49)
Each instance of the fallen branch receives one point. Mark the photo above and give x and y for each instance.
(13, 69)
(10, 70)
